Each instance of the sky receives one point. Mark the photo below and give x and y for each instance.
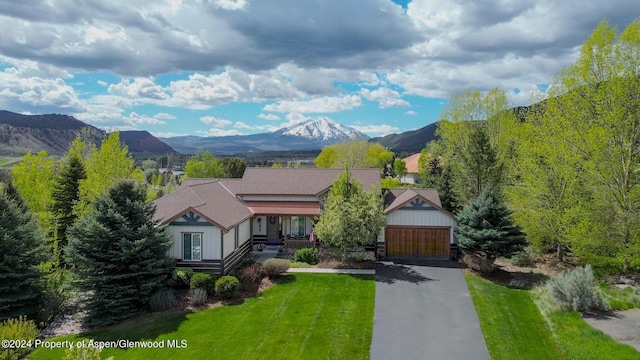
(234, 67)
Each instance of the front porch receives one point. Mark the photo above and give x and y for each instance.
(285, 231)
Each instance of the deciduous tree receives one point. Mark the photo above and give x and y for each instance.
(105, 167)
(204, 165)
(351, 216)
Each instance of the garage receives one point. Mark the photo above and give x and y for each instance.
(420, 242)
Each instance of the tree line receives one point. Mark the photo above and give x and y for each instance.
(569, 168)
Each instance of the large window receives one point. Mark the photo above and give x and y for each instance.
(297, 225)
(192, 246)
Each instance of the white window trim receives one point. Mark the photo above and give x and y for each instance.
(182, 245)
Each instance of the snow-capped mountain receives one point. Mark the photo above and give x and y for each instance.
(322, 129)
(308, 135)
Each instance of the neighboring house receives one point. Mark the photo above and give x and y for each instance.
(216, 222)
(411, 176)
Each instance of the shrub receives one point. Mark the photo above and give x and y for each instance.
(182, 276)
(522, 259)
(575, 290)
(250, 276)
(204, 281)
(227, 286)
(198, 296)
(163, 300)
(307, 255)
(246, 263)
(275, 267)
(17, 329)
(84, 353)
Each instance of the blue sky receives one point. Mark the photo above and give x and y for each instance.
(225, 67)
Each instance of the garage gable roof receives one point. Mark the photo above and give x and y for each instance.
(397, 198)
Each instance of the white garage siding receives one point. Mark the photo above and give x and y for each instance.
(431, 218)
(210, 240)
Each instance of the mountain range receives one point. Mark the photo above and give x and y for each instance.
(54, 133)
(308, 135)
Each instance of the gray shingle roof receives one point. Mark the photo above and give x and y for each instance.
(210, 198)
(396, 198)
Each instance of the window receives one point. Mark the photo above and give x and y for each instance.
(297, 226)
(192, 246)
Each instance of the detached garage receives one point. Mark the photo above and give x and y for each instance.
(417, 225)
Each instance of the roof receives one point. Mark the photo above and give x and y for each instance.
(297, 181)
(217, 200)
(209, 198)
(412, 163)
(396, 198)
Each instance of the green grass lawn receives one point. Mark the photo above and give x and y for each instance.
(511, 323)
(307, 316)
(514, 328)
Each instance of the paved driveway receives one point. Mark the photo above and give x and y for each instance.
(423, 310)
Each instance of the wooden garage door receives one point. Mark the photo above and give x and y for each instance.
(423, 242)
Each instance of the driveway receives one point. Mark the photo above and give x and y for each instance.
(621, 326)
(423, 310)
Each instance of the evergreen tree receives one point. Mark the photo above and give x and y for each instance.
(234, 166)
(447, 194)
(486, 230)
(118, 255)
(66, 193)
(22, 249)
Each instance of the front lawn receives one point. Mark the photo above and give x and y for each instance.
(306, 316)
(514, 328)
(511, 323)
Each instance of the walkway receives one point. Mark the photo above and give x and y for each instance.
(622, 326)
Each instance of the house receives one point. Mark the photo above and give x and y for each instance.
(411, 177)
(216, 222)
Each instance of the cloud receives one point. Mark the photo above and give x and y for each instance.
(379, 130)
(242, 125)
(411, 112)
(385, 97)
(270, 117)
(317, 105)
(231, 4)
(139, 88)
(215, 122)
(164, 116)
(220, 132)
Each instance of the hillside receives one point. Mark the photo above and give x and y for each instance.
(53, 133)
(410, 141)
(143, 143)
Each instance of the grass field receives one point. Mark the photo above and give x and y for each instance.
(307, 316)
(514, 328)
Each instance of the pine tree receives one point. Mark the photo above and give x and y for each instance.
(447, 194)
(66, 193)
(118, 256)
(486, 230)
(22, 249)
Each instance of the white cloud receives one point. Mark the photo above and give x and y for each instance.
(164, 116)
(139, 88)
(271, 117)
(243, 125)
(379, 130)
(221, 132)
(411, 112)
(215, 122)
(201, 91)
(385, 97)
(317, 105)
(231, 4)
